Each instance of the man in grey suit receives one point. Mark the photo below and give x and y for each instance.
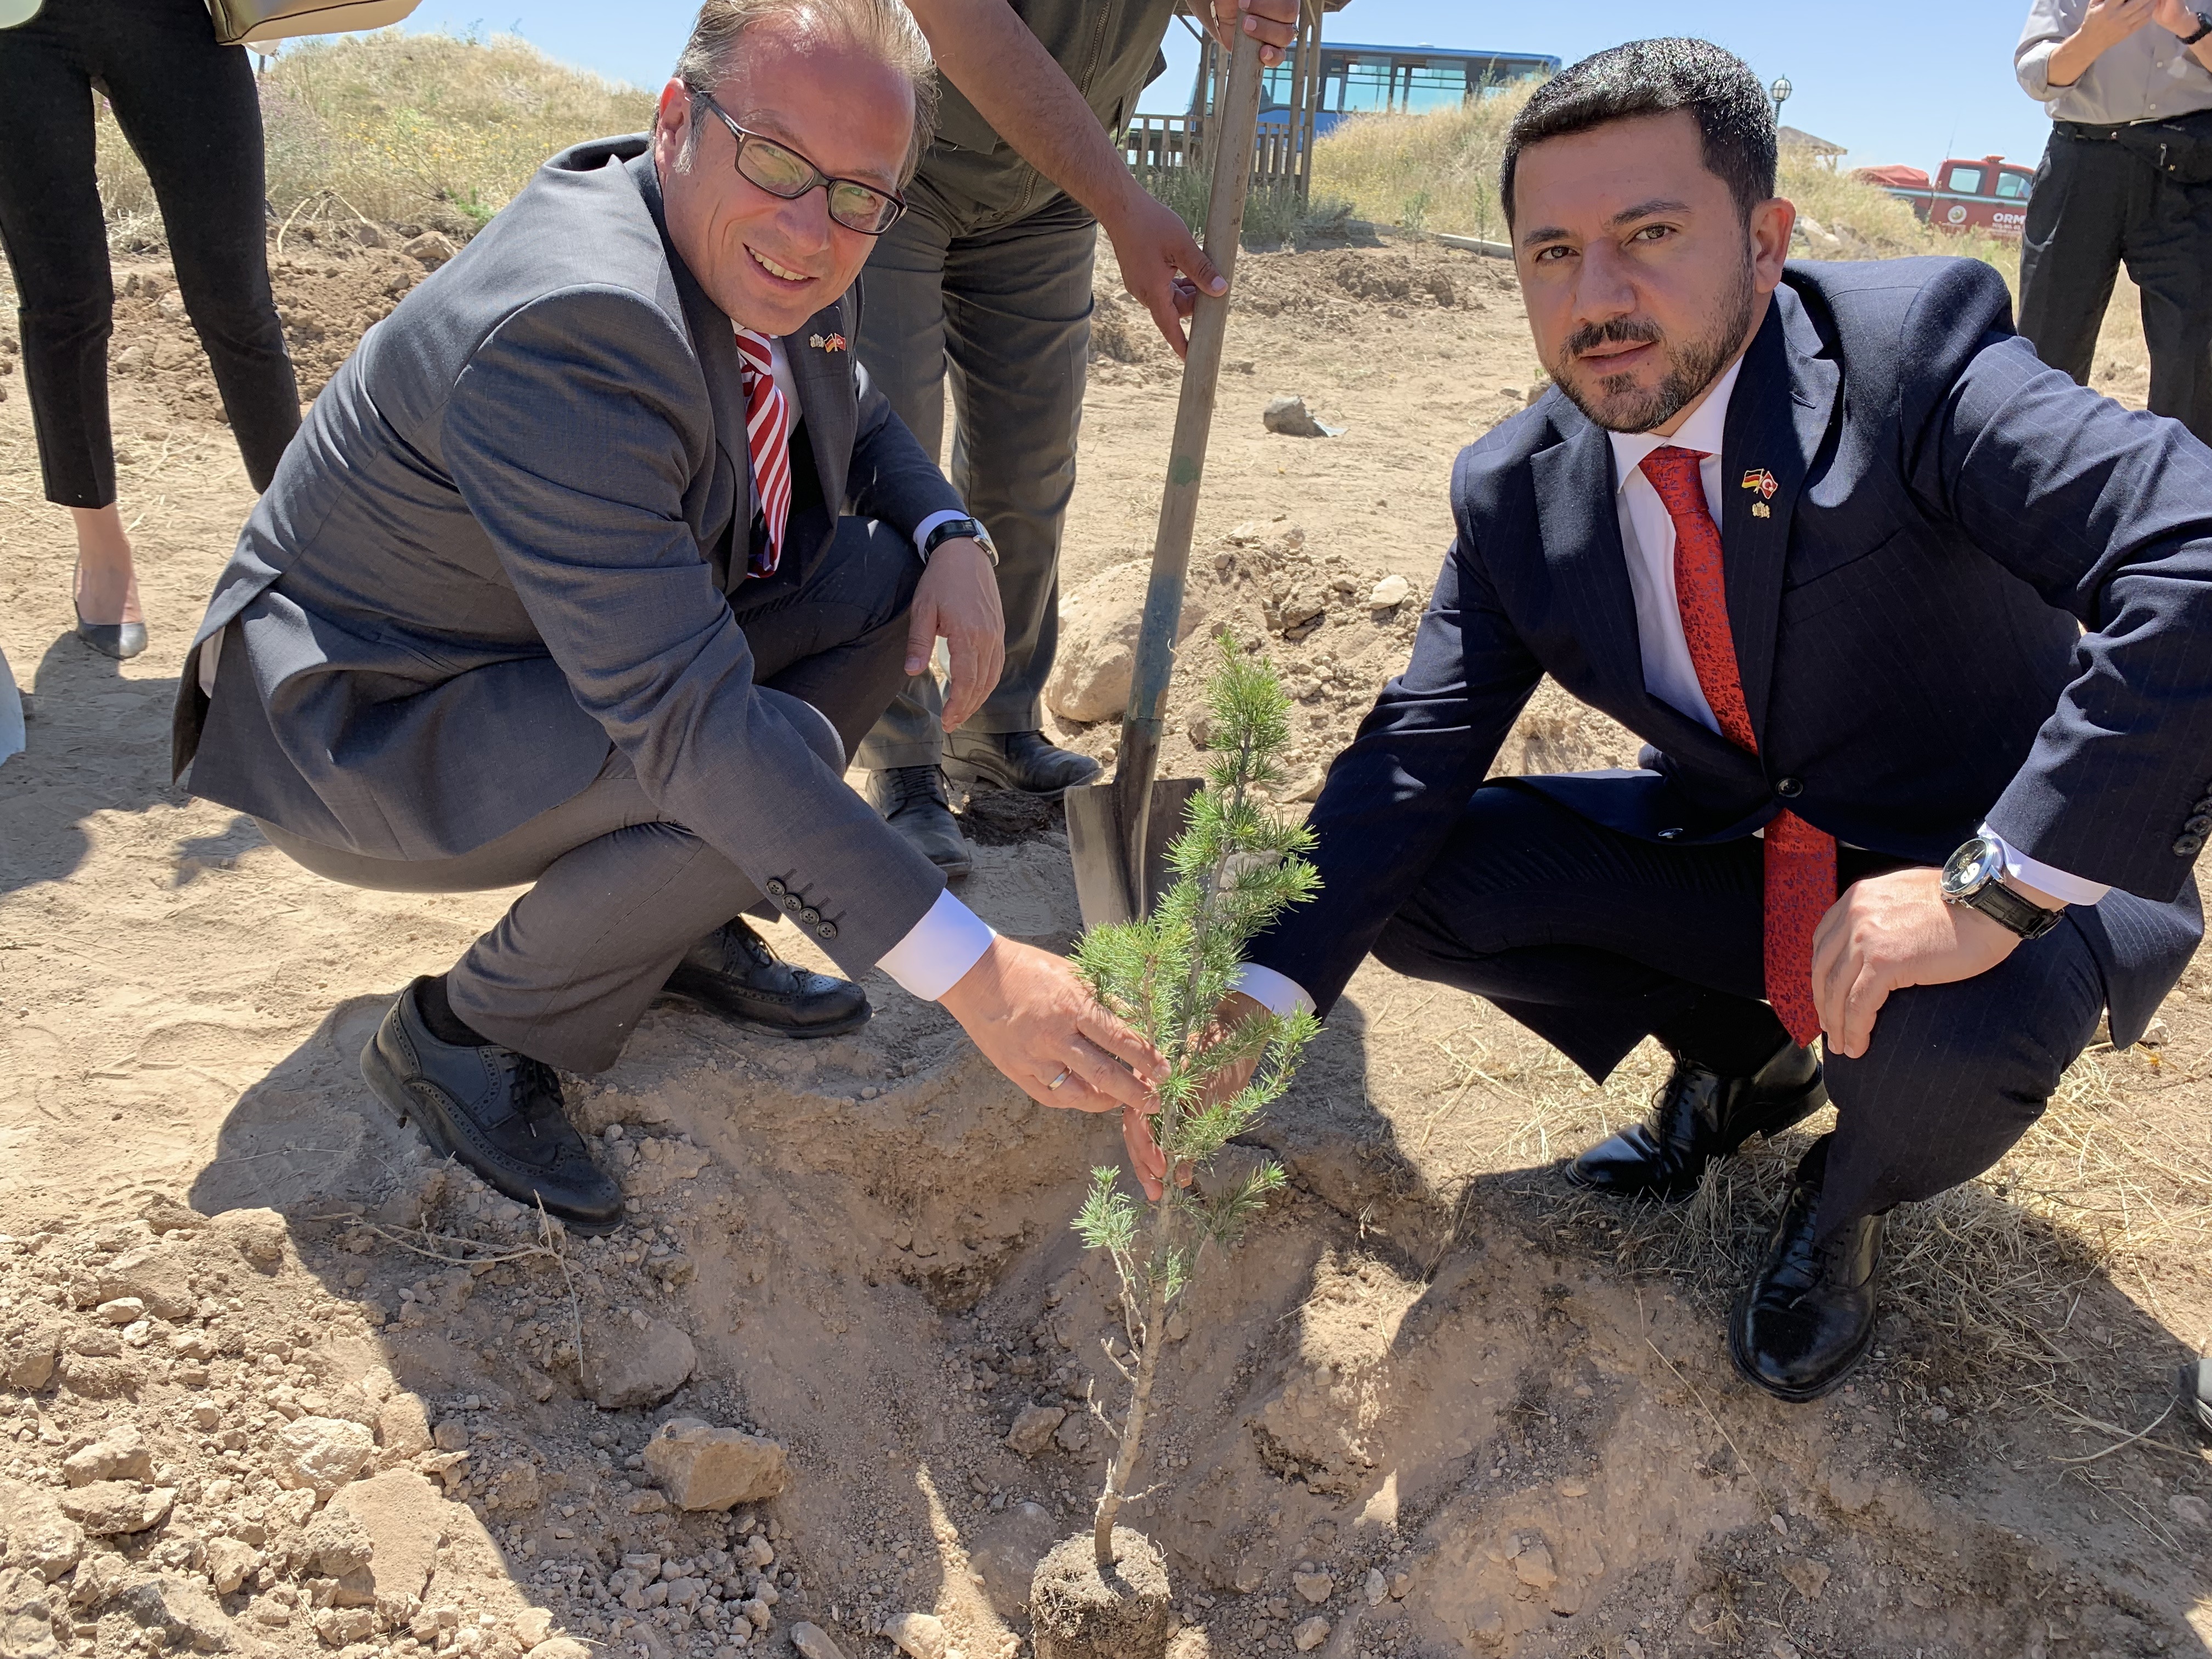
(555, 587)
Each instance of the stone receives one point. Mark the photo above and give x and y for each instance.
(560, 1647)
(1532, 1563)
(1388, 593)
(1097, 657)
(1077, 1614)
(1808, 1578)
(178, 1608)
(339, 1543)
(1310, 1634)
(229, 1562)
(918, 1635)
(1006, 1557)
(405, 1520)
(106, 1509)
(157, 1275)
(701, 1467)
(28, 1359)
(121, 1454)
(341, 1627)
(430, 248)
(758, 1612)
(1289, 416)
(2190, 1510)
(403, 1427)
(1314, 1587)
(812, 1642)
(97, 1578)
(27, 1615)
(259, 1235)
(1033, 1429)
(123, 1311)
(514, 1487)
(1377, 1589)
(531, 1626)
(637, 1368)
(321, 1454)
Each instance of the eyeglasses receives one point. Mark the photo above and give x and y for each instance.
(787, 173)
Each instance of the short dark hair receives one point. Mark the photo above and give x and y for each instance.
(1654, 77)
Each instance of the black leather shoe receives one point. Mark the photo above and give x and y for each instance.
(1026, 760)
(2194, 1383)
(121, 641)
(1808, 1319)
(734, 972)
(498, 1112)
(912, 800)
(1698, 1116)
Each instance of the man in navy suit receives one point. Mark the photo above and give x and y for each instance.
(1919, 632)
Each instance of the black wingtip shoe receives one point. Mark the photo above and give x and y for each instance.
(496, 1111)
(1697, 1117)
(1027, 761)
(912, 801)
(2194, 1383)
(1808, 1319)
(733, 972)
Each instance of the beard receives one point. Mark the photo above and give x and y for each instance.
(1616, 402)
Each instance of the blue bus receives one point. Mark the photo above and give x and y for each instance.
(1360, 80)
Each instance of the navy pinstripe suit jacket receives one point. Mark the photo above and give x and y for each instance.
(1982, 592)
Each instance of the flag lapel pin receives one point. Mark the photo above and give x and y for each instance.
(1759, 479)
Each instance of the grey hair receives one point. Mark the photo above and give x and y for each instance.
(882, 29)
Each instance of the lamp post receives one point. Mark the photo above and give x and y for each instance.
(1780, 92)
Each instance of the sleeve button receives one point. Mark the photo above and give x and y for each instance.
(791, 904)
(2188, 846)
(810, 915)
(775, 889)
(2199, 824)
(826, 930)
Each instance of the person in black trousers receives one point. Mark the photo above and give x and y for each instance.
(189, 107)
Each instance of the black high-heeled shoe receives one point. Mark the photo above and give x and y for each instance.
(121, 641)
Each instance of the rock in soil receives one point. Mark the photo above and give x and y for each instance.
(700, 1466)
(638, 1369)
(1034, 1426)
(1078, 1615)
(1006, 1559)
(812, 1642)
(27, 1615)
(919, 1635)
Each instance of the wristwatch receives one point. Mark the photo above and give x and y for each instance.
(1972, 878)
(952, 529)
(2203, 28)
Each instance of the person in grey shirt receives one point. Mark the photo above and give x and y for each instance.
(585, 568)
(989, 280)
(2127, 177)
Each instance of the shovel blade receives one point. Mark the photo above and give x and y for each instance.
(1106, 887)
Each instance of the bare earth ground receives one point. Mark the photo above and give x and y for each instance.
(1435, 1402)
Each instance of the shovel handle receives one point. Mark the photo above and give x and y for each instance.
(1235, 129)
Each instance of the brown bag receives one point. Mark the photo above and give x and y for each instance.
(257, 22)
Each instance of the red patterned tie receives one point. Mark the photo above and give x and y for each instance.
(1799, 861)
(768, 437)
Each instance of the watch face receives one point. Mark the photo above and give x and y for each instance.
(1973, 867)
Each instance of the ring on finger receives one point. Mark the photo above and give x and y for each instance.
(1063, 1077)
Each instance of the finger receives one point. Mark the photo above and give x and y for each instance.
(1868, 992)
(1124, 1044)
(920, 634)
(1146, 1156)
(1073, 1094)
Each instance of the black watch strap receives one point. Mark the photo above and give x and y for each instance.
(2000, 904)
(2203, 28)
(953, 528)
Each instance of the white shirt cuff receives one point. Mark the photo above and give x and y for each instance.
(1277, 993)
(921, 530)
(938, 951)
(2067, 890)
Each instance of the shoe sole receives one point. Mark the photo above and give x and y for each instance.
(797, 1033)
(1792, 1396)
(387, 1086)
(971, 771)
(1791, 1116)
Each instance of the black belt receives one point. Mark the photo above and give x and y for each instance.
(2197, 124)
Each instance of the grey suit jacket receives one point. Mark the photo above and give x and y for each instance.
(503, 542)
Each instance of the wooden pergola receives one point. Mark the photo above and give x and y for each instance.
(1283, 156)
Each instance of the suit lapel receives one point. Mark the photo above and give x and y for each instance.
(1777, 421)
(1580, 526)
(822, 372)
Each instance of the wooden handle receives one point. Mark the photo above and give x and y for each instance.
(1235, 129)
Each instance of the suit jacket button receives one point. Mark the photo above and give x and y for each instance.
(825, 930)
(792, 905)
(2203, 805)
(1789, 788)
(810, 915)
(1670, 834)
(2188, 846)
(2199, 824)
(775, 888)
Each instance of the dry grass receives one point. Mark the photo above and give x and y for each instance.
(398, 128)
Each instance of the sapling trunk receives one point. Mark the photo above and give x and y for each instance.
(1238, 867)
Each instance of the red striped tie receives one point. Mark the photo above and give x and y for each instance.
(1799, 861)
(768, 438)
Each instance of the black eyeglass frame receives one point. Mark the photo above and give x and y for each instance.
(821, 180)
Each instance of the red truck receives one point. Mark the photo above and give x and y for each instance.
(1990, 194)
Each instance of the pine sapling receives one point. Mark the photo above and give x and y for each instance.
(1236, 866)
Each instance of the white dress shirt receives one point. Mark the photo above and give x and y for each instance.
(1647, 539)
